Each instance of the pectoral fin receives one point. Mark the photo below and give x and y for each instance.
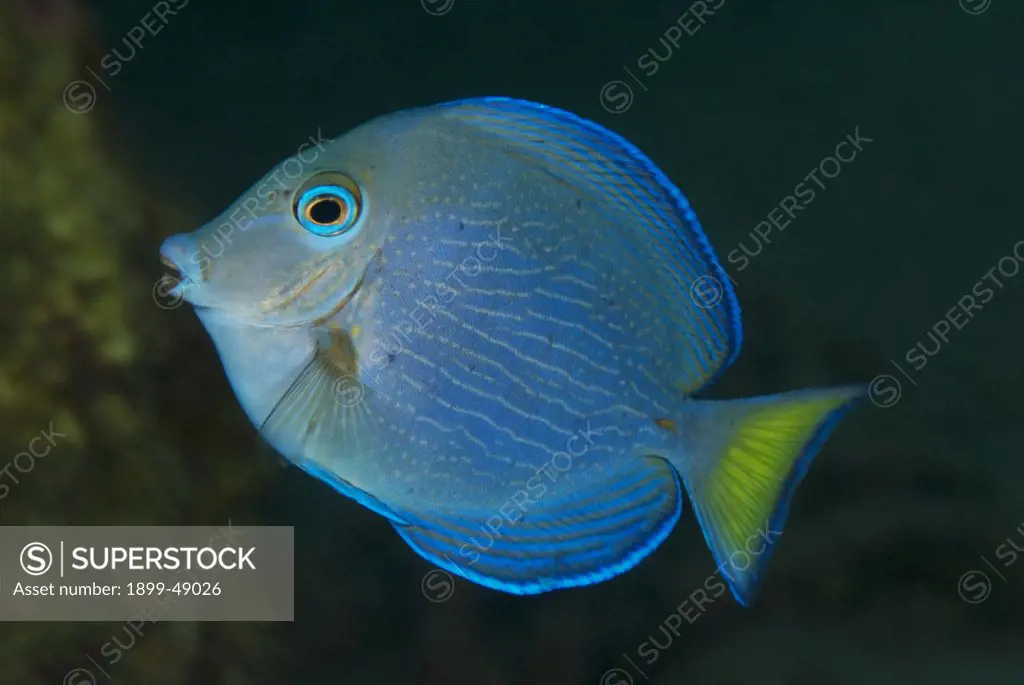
(325, 421)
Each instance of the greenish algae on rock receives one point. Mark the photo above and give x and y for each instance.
(85, 354)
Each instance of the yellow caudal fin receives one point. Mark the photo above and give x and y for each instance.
(741, 463)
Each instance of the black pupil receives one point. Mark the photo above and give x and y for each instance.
(325, 210)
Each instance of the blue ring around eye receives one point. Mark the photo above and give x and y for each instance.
(343, 195)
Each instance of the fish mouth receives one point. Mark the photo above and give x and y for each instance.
(178, 284)
(174, 254)
(290, 307)
(280, 315)
(176, 272)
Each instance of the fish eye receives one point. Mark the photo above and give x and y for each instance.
(328, 205)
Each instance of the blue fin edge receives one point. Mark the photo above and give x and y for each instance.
(548, 584)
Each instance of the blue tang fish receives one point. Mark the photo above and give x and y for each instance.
(485, 321)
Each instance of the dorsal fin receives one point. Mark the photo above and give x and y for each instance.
(640, 196)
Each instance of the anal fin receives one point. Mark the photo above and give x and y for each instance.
(572, 535)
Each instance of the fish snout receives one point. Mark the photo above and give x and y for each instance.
(180, 252)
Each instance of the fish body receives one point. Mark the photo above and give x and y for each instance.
(485, 320)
